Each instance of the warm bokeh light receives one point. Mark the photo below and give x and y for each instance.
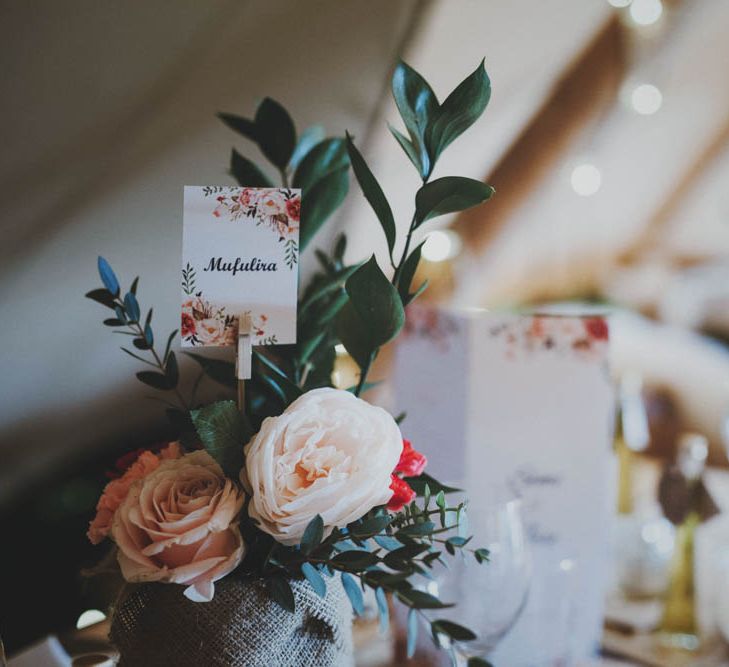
(586, 179)
(646, 12)
(441, 245)
(646, 99)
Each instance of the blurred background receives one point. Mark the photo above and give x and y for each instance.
(607, 140)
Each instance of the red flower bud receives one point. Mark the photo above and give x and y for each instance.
(411, 463)
(402, 494)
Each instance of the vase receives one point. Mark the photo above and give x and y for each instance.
(156, 625)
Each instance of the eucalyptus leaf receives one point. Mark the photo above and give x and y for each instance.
(246, 173)
(131, 306)
(447, 195)
(373, 193)
(217, 369)
(223, 431)
(382, 609)
(452, 630)
(353, 592)
(108, 277)
(156, 380)
(275, 132)
(412, 632)
(313, 534)
(102, 296)
(315, 579)
(280, 591)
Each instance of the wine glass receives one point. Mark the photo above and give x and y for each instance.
(489, 596)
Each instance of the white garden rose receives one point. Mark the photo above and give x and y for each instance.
(330, 453)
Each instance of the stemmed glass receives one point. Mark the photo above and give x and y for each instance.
(489, 597)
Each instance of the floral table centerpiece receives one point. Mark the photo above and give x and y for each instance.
(274, 516)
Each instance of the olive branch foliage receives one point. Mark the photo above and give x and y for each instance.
(355, 304)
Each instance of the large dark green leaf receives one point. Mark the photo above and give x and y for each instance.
(418, 107)
(373, 193)
(408, 273)
(275, 132)
(320, 202)
(309, 138)
(449, 194)
(247, 173)
(460, 110)
(374, 314)
(223, 432)
(324, 158)
(313, 534)
(241, 125)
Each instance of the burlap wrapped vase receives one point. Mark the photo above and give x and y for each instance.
(155, 625)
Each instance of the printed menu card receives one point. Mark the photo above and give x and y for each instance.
(240, 254)
(523, 403)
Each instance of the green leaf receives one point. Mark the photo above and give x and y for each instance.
(407, 146)
(353, 593)
(171, 370)
(386, 542)
(289, 388)
(373, 193)
(309, 138)
(418, 483)
(280, 591)
(449, 194)
(223, 432)
(460, 110)
(246, 173)
(418, 107)
(275, 132)
(374, 314)
(320, 202)
(240, 125)
(354, 560)
(132, 307)
(417, 529)
(108, 277)
(382, 609)
(481, 555)
(412, 633)
(440, 500)
(420, 600)
(314, 578)
(369, 527)
(169, 344)
(478, 662)
(217, 369)
(102, 296)
(135, 285)
(408, 273)
(156, 380)
(324, 158)
(452, 630)
(313, 534)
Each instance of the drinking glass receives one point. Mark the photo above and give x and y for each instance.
(490, 596)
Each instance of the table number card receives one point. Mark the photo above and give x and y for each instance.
(523, 402)
(240, 254)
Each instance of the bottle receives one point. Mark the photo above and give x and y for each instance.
(679, 625)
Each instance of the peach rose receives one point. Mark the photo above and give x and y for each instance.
(330, 453)
(179, 525)
(116, 491)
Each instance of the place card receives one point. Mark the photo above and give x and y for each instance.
(240, 255)
(522, 404)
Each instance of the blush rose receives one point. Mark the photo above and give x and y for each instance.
(330, 453)
(178, 524)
